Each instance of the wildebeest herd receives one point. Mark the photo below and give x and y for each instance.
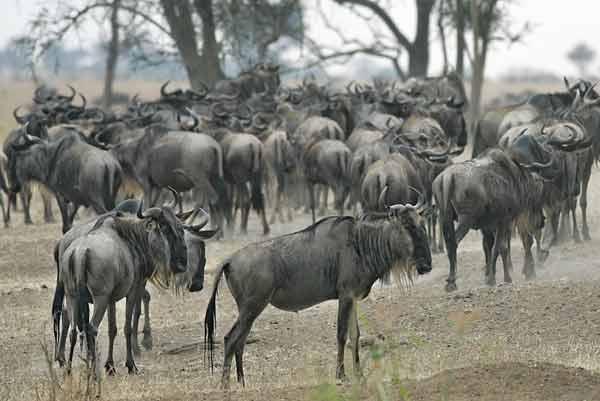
(384, 150)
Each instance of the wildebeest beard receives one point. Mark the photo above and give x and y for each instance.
(393, 247)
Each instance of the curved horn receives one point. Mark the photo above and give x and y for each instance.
(20, 119)
(163, 88)
(83, 101)
(176, 197)
(420, 200)
(381, 199)
(153, 212)
(37, 97)
(71, 96)
(566, 81)
(199, 226)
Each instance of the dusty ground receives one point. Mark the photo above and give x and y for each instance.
(536, 340)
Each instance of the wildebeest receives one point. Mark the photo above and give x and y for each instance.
(327, 162)
(156, 158)
(335, 258)
(243, 167)
(4, 188)
(75, 171)
(192, 279)
(395, 177)
(280, 162)
(114, 260)
(489, 193)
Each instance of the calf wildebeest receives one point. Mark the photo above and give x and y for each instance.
(192, 279)
(335, 258)
(114, 260)
(327, 162)
(489, 193)
(75, 171)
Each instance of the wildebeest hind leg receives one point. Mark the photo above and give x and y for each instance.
(354, 339)
(60, 352)
(137, 310)
(100, 305)
(112, 333)
(504, 251)
(131, 300)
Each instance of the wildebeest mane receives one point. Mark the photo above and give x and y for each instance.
(379, 254)
(134, 233)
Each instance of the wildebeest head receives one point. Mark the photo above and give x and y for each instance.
(24, 156)
(397, 236)
(450, 115)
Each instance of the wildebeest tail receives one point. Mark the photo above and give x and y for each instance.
(82, 310)
(112, 182)
(57, 302)
(442, 187)
(343, 161)
(258, 197)
(210, 318)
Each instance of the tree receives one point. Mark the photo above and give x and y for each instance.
(582, 56)
(389, 46)
(190, 27)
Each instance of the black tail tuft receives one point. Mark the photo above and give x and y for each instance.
(210, 320)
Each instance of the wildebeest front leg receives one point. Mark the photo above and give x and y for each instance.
(137, 310)
(147, 340)
(48, 214)
(572, 206)
(131, 301)
(343, 321)
(528, 263)
(25, 196)
(504, 250)
(585, 230)
(354, 339)
(112, 333)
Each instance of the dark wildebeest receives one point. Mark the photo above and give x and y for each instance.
(491, 192)
(243, 166)
(280, 162)
(327, 162)
(362, 158)
(4, 188)
(336, 258)
(114, 260)
(75, 171)
(192, 279)
(395, 177)
(156, 158)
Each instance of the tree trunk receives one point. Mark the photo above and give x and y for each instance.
(200, 67)
(419, 51)
(460, 38)
(210, 50)
(112, 55)
(440, 22)
(478, 64)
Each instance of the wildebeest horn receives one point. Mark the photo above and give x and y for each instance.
(537, 165)
(420, 200)
(71, 96)
(576, 101)
(381, 200)
(195, 116)
(163, 89)
(20, 119)
(566, 81)
(176, 197)
(586, 97)
(37, 97)
(214, 110)
(153, 212)
(83, 102)
(199, 226)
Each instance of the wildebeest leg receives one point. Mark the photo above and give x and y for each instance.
(504, 251)
(109, 366)
(563, 231)
(147, 340)
(489, 241)
(25, 196)
(137, 310)
(311, 200)
(244, 202)
(63, 205)
(451, 245)
(528, 263)
(354, 339)
(324, 205)
(585, 230)
(236, 339)
(100, 305)
(60, 351)
(47, 200)
(343, 321)
(572, 203)
(130, 303)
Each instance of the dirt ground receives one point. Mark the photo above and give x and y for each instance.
(537, 340)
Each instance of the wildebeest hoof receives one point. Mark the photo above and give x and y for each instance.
(28, 222)
(451, 286)
(266, 232)
(586, 237)
(490, 281)
(147, 342)
(132, 369)
(543, 255)
(61, 360)
(136, 349)
(109, 366)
